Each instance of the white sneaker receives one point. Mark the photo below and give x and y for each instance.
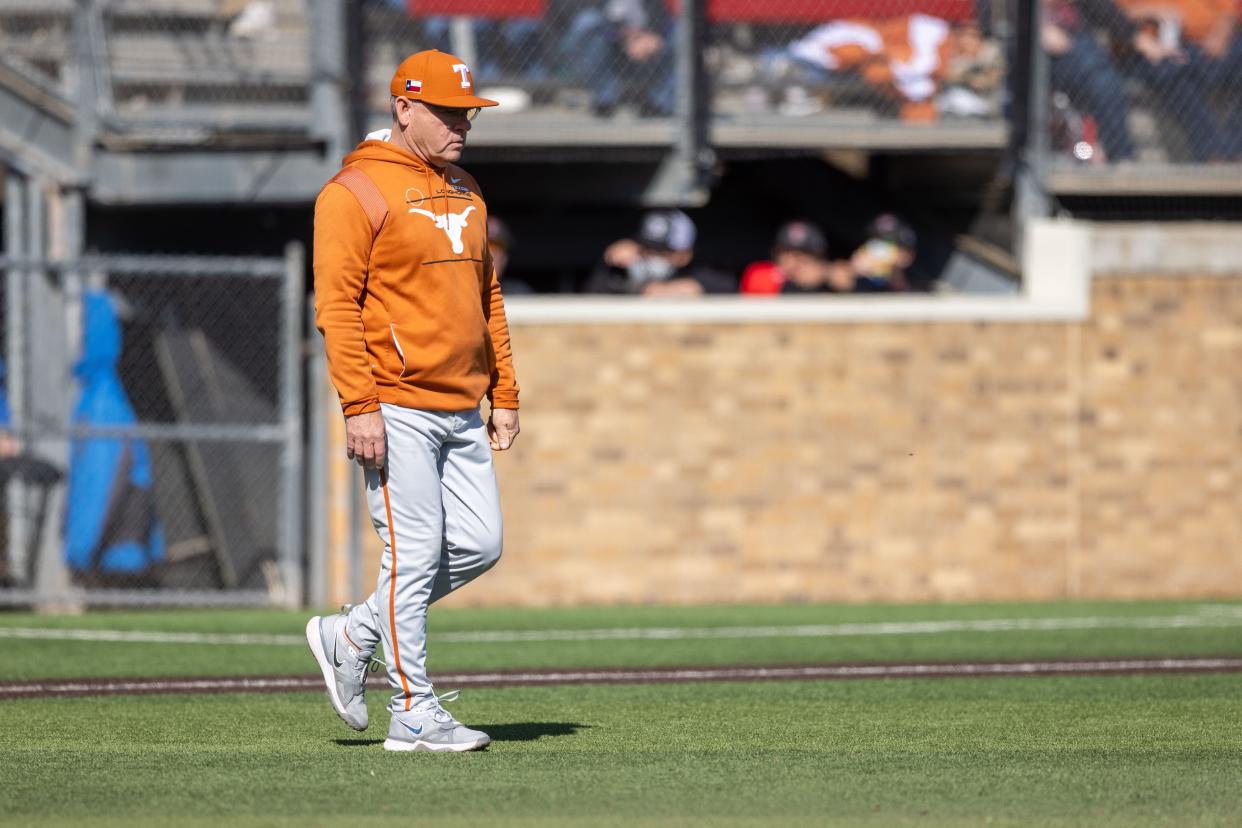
(344, 668)
(430, 727)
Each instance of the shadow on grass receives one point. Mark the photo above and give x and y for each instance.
(517, 732)
(530, 731)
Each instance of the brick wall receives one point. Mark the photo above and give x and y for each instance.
(1161, 439)
(898, 462)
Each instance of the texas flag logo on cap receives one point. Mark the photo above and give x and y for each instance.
(413, 86)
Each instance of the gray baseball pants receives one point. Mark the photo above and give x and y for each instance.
(436, 507)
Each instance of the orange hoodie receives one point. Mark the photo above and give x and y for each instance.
(415, 319)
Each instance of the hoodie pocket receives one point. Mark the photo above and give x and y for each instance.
(392, 329)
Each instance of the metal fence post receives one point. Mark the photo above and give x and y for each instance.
(682, 179)
(316, 474)
(49, 397)
(291, 401)
(68, 227)
(1031, 122)
(15, 221)
(89, 61)
(329, 111)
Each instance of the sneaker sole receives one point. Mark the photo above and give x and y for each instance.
(325, 667)
(436, 747)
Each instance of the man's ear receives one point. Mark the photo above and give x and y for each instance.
(403, 111)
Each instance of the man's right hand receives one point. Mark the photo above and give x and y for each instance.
(621, 253)
(365, 440)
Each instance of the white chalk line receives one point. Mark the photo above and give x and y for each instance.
(850, 671)
(623, 676)
(1223, 616)
(104, 687)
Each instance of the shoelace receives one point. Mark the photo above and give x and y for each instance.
(441, 715)
(371, 662)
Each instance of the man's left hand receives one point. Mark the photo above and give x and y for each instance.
(502, 428)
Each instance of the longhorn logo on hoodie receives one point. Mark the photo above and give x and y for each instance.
(451, 223)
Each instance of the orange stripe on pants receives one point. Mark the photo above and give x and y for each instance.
(392, 590)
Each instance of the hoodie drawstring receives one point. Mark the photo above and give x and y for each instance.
(431, 193)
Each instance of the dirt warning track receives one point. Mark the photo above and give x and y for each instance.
(662, 675)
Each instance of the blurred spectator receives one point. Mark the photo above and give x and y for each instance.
(658, 261)
(1161, 34)
(1149, 41)
(1222, 66)
(799, 264)
(1182, 44)
(499, 243)
(623, 51)
(882, 263)
(1079, 67)
(907, 59)
(973, 73)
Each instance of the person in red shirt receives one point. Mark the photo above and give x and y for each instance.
(799, 264)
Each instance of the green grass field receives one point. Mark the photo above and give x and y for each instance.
(1123, 750)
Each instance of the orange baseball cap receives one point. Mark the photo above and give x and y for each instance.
(437, 78)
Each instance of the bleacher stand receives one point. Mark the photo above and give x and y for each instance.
(35, 38)
(216, 62)
(209, 61)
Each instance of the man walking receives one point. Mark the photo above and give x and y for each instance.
(414, 326)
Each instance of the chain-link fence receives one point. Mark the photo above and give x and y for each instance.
(1137, 85)
(1117, 81)
(568, 63)
(578, 67)
(151, 441)
(189, 63)
(875, 64)
(208, 61)
(36, 39)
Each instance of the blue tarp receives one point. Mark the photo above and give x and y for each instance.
(6, 416)
(110, 523)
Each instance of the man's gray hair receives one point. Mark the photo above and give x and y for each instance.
(392, 106)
